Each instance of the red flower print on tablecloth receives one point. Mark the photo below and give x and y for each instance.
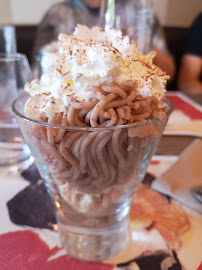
(200, 267)
(23, 250)
(155, 162)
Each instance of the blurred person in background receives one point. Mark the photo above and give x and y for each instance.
(190, 74)
(163, 58)
(63, 17)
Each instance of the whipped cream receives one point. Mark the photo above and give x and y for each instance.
(91, 57)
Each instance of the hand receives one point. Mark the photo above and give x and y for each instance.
(165, 62)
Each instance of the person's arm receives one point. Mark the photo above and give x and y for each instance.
(165, 62)
(189, 75)
(163, 58)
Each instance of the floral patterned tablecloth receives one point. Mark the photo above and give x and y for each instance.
(164, 235)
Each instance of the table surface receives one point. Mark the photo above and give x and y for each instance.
(174, 145)
(151, 243)
(197, 97)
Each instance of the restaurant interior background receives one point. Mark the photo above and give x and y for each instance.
(174, 16)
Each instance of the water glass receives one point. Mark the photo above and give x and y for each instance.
(7, 39)
(14, 73)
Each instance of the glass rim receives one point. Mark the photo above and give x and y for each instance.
(146, 122)
(9, 57)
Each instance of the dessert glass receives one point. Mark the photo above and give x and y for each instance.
(92, 192)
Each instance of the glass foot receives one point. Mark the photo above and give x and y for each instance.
(94, 244)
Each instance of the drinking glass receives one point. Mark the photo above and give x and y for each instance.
(14, 73)
(40, 66)
(7, 40)
(92, 175)
(133, 17)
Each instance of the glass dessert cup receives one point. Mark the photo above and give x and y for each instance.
(92, 175)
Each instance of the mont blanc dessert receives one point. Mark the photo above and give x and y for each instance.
(108, 100)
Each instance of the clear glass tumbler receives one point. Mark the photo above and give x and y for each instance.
(7, 39)
(133, 17)
(14, 153)
(92, 175)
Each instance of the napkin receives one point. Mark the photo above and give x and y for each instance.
(185, 174)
